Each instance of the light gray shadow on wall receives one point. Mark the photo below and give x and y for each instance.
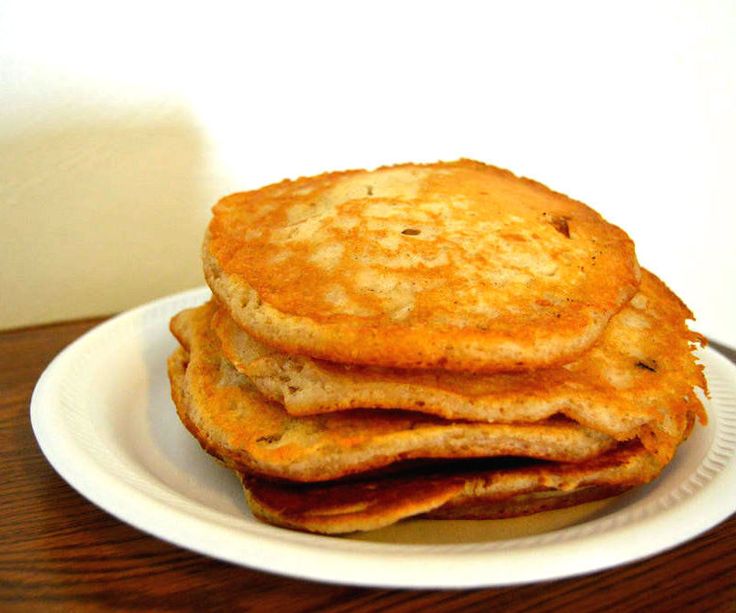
(99, 216)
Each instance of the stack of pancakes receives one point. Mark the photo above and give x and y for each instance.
(444, 340)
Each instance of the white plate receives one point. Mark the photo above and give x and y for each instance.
(103, 417)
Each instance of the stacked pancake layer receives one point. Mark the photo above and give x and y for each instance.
(442, 340)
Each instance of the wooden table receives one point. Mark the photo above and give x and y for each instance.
(60, 552)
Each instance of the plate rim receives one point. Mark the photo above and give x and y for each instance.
(360, 563)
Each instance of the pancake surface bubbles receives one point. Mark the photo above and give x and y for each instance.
(456, 265)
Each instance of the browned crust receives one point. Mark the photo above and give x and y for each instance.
(359, 506)
(271, 303)
(373, 502)
(526, 504)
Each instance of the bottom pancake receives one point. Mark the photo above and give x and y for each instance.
(478, 493)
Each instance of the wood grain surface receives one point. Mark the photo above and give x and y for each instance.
(59, 552)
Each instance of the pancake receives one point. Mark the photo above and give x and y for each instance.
(463, 266)
(236, 424)
(637, 381)
(456, 493)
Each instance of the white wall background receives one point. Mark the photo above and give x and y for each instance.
(122, 122)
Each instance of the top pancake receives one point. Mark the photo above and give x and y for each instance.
(459, 266)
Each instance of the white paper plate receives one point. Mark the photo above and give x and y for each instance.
(103, 417)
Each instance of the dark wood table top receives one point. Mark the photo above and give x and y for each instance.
(60, 552)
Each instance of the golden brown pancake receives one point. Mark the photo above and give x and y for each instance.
(458, 266)
(458, 493)
(235, 423)
(637, 381)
